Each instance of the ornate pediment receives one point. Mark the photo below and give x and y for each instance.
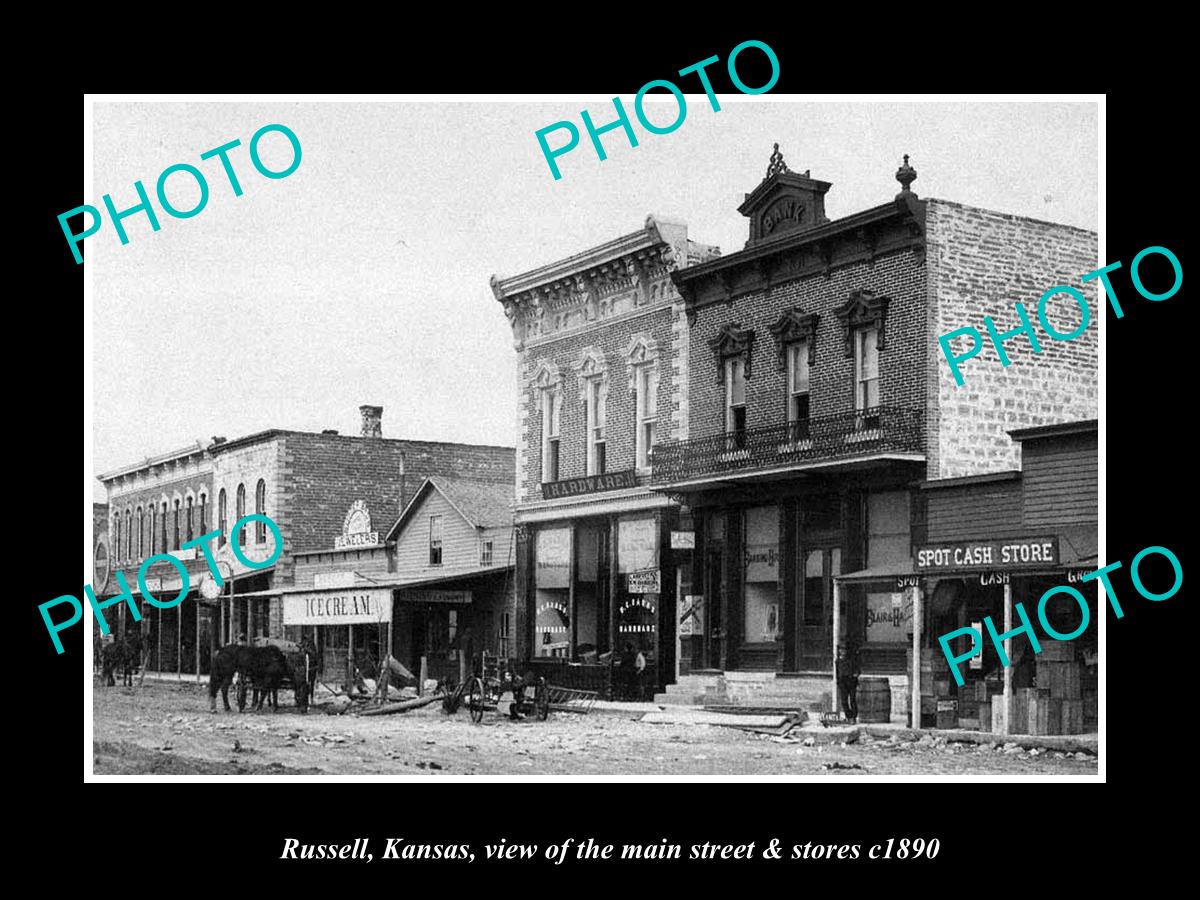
(732, 340)
(864, 309)
(642, 351)
(795, 325)
(591, 366)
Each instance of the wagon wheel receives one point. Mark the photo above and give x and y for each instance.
(541, 700)
(475, 701)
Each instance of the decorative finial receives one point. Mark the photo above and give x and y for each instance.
(776, 165)
(906, 175)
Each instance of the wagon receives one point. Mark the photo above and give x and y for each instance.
(482, 692)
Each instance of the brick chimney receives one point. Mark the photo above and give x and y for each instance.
(372, 421)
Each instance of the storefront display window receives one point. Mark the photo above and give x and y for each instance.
(763, 621)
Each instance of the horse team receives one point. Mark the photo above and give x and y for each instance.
(262, 670)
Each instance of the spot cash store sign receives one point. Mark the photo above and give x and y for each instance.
(347, 607)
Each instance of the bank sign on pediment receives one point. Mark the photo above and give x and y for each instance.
(356, 528)
(785, 214)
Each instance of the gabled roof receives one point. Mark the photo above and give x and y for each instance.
(483, 504)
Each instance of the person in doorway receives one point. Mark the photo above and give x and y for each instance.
(847, 681)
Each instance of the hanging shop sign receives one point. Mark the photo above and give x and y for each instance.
(100, 565)
(553, 558)
(356, 528)
(1020, 553)
(647, 582)
(637, 544)
(589, 484)
(683, 540)
(986, 578)
(361, 607)
(429, 595)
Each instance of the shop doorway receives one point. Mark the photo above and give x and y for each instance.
(712, 643)
(818, 565)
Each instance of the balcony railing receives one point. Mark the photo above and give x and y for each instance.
(852, 435)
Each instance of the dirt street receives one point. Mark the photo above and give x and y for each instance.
(167, 728)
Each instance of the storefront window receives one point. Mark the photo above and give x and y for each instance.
(764, 619)
(639, 586)
(552, 617)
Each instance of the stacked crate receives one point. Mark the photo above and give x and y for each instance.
(1060, 704)
(939, 703)
(972, 697)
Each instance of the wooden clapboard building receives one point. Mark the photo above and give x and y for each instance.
(1008, 537)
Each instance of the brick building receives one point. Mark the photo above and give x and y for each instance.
(603, 358)
(820, 402)
(334, 499)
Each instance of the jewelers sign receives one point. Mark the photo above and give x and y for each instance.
(361, 607)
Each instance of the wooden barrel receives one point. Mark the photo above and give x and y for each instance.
(874, 700)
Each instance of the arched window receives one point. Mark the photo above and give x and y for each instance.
(163, 548)
(117, 534)
(240, 510)
(141, 514)
(153, 528)
(175, 542)
(260, 507)
(190, 520)
(128, 534)
(222, 514)
(203, 513)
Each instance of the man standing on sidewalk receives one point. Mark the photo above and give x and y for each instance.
(847, 681)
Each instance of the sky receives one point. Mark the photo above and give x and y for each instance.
(362, 277)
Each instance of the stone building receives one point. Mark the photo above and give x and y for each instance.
(155, 506)
(819, 402)
(603, 358)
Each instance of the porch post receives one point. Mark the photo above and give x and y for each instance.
(1008, 609)
(837, 603)
(915, 699)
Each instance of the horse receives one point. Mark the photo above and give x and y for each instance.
(264, 669)
(124, 653)
(227, 663)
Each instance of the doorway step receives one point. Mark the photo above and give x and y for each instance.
(694, 690)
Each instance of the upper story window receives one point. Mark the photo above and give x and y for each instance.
(191, 522)
(645, 404)
(222, 517)
(203, 513)
(797, 390)
(485, 553)
(240, 511)
(592, 370)
(864, 318)
(435, 540)
(733, 348)
(735, 401)
(175, 540)
(551, 422)
(165, 545)
(129, 535)
(141, 540)
(642, 358)
(117, 534)
(866, 369)
(594, 405)
(547, 390)
(796, 339)
(260, 507)
(153, 528)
